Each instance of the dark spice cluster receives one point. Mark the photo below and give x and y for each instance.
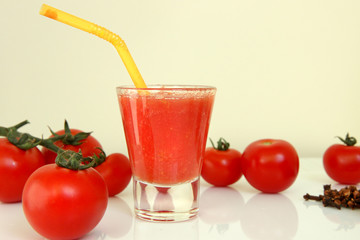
(348, 197)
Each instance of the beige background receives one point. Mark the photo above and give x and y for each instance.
(283, 69)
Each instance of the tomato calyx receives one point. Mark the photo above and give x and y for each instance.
(65, 158)
(222, 144)
(348, 141)
(68, 138)
(76, 161)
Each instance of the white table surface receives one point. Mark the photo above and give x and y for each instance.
(235, 212)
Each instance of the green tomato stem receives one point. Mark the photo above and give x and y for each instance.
(222, 144)
(349, 141)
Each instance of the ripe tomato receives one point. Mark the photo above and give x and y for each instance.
(116, 172)
(16, 165)
(88, 146)
(221, 165)
(270, 165)
(60, 203)
(342, 162)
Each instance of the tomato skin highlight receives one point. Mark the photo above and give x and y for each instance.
(88, 146)
(270, 165)
(60, 203)
(221, 167)
(16, 165)
(342, 163)
(116, 172)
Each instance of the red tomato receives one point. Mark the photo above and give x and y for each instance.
(88, 147)
(342, 162)
(270, 165)
(116, 172)
(60, 203)
(16, 165)
(221, 165)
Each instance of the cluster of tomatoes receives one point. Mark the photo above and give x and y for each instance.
(58, 202)
(269, 165)
(62, 203)
(272, 166)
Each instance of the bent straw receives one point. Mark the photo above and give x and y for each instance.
(101, 32)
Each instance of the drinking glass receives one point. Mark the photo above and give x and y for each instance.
(166, 129)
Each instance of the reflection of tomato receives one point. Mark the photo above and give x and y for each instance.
(88, 146)
(221, 165)
(270, 165)
(16, 165)
(60, 203)
(342, 162)
(269, 216)
(117, 209)
(116, 172)
(220, 205)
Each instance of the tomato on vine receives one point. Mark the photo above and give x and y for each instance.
(221, 165)
(64, 203)
(75, 140)
(116, 172)
(342, 161)
(115, 168)
(63, 200)
(16, 165)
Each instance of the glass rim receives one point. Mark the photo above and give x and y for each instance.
(168, 87)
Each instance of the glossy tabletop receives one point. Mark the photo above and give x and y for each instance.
(235, 212)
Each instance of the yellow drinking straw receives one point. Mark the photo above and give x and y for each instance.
(101, 32)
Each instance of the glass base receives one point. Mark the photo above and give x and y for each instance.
(166, 203)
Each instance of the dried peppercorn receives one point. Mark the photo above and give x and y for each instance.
(348, 197)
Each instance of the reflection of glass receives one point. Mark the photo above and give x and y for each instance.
(166, 130)
(188, 230)
(269, 216)
(220, 207)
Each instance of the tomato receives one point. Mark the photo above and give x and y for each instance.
(88, 146)
(116, 172)
(16, 165)
(60, 203)
(342, 162)
(221, 165)
(270, 165)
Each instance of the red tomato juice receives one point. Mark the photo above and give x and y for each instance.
(166, 133)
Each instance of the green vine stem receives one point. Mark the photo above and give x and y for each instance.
(65, 158)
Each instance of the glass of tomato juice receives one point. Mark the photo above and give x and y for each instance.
(166, 129)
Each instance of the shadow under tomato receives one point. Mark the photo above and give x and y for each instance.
(13, 223)
(117, 220)
(269, 216)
